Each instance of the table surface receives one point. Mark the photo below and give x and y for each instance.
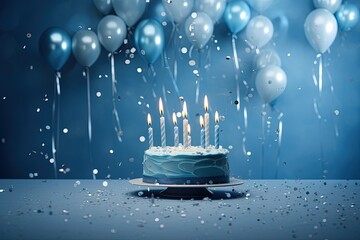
(114, 209)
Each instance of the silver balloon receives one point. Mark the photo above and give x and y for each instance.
(104, 6)
(213, 8)
(199, 29)
(86, 47)
(270, 83)
(259, 31)
(320, 29)
(111, 31)
(331, 5)
(178, 10)
(267, 57)
(260, 5)
(129, 10)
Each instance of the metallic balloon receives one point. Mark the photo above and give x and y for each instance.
(267, 57)
(320, 29)
(213, 8)
(260, 5)
(259, 31)
(149, 40)
(178, 10)
(86, 47)
(111, 32)
(104, 6)
(237, 15)
(129, 10)
(331, 5)
(199, 29)
(55, 47)
(270, 83)
(347, 16)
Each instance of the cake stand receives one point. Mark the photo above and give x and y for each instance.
(185, 190)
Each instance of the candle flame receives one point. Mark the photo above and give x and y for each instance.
(201, 121)
(174, 118)
(161, 108)
(206, 103)
(149, 119)
(184, 112)
(216, 117)
(189, 129)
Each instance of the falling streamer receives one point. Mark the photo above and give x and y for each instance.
(171, 74)
(168, 115)
(152, 70)
(197, 93)
(244, 146)
(236, 60)
(316, 109)
(114, 97)
(279, 148)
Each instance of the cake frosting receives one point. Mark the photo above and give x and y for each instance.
(190, 165)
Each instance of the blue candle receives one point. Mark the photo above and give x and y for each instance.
(176, 131)
(162, 124)
(217, 129)
(202, 132)
(151, 138)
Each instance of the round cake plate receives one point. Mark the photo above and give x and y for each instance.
(186, 190)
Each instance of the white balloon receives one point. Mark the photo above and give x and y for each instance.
(320, 29)
(213, 8)
(178, 10)
(259, 31)
(331, 5)
(199, 29)
(270, 82)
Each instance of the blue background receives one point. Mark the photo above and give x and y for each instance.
(309, 149)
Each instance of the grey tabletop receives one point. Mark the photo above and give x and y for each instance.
(115, 209)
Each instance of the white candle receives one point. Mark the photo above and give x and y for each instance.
(176, 131)
(185, 126)
(162, 124)
(202, 132)
(150, 130)
(189, 135)
(216, 129)
(207, 122)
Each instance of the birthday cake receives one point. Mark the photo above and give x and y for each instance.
(190, 165)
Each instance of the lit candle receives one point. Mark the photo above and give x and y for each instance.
(207, 122)
(202, 132)
(189, 135)
(162, 124)
(216, 129)
(185, 125)
(151, 138)
(176, 131)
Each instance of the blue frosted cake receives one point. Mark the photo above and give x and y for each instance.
(191, 165)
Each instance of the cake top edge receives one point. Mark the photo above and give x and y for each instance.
(181, 150)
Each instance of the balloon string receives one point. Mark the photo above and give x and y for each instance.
(58, 76)
(263, 115)
(236, 60)
(152, 70)
(55, 121)
(336, 128)
(320, 73)
(87, 73)
(171, 74)
(118, 130)
(190, 51)
(197, 93)
(168, 114)
(279, 148)
(321, 158)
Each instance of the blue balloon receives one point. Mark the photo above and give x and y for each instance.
(55, 47)
(237, 15)
(86, 47)
(347, 16)
(149, 40)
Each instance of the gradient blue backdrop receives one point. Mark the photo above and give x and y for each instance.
(26, 81)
